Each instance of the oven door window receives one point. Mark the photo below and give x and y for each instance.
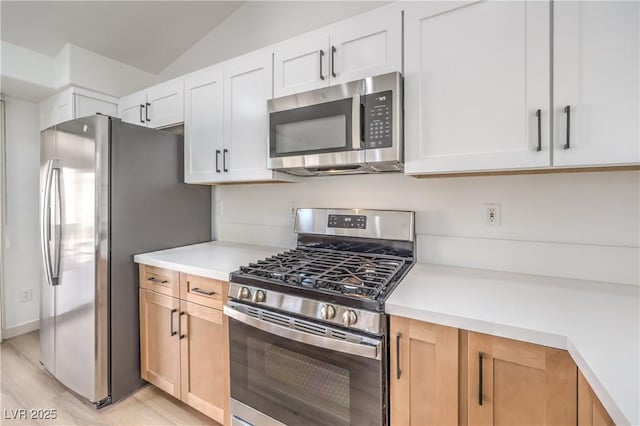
(299, 384)
(314, 129)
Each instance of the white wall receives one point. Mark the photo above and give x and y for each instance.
(22, 249)
(259, 24)
(583, 225)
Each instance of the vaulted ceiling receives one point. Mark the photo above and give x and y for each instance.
(148, 35)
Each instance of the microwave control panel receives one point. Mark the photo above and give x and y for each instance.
(347, 221)
(378, 119)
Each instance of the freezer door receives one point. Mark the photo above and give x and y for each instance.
(81, 300)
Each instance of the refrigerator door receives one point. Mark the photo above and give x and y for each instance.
(47, 291)
(81, 290)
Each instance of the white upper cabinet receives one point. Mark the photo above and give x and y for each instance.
(247, 87)
(301, 65)
(226, 122)
(75, 102)
(596, 83)
(477, 86)
(159, 106)
(165, 104)
(203, 126)
(364, 46)
(132, 108)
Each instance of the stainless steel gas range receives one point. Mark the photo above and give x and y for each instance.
(308, 332)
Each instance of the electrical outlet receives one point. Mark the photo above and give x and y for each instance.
(219, 207)
(26, 295)
(293, 206)
(492, 215)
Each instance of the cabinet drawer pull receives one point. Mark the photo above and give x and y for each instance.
(141, 118)
(567, 111)
(224, 160)
(398, 371)
(321, 56)
(217, 161)
(173, 311)
(538, 115)
(480, 355)
(201, 291)
(146, 112)
(333, 61)
(182, 336)
(157, 281)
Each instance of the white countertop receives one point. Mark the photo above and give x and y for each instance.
(598, 323)
(214, 259)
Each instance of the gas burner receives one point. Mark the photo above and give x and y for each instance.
(354, 274)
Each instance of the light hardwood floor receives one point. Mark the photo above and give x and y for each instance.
(26, 385)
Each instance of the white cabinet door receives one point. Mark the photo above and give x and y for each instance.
(247, 87)
(475, 77)
(131, 109)
(203, 126)
(596, 75)
(165, 104)
(301, 65)
(86, 105)
(369, 45)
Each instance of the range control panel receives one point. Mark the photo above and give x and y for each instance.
(378, 119)
(347, 221)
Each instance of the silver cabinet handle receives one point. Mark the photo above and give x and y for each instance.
(201, 291)
(363, 350)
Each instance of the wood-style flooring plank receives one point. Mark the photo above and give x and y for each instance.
(24, 384)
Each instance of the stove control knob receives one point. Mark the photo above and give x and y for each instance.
(349, 318)
(258, 296)
(244, 293)
(327, 312)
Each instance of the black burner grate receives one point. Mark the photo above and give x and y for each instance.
(361, 275)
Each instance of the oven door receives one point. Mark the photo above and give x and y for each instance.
(281, 374)
(323, 135)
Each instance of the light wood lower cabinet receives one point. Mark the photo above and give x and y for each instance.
(516, 383)
(204, 359)
(590, 409)
(445, 376)
(423, 373)
(159, 346)
(184, 345)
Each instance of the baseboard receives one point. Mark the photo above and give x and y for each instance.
(19, 329)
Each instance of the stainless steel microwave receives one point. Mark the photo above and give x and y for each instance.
(354, 127)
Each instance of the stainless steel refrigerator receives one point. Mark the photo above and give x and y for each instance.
(108, 190)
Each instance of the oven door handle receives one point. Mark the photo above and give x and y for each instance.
(362, 350)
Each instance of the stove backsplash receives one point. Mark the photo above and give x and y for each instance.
(544, 218)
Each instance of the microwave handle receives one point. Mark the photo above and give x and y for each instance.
(357, 134)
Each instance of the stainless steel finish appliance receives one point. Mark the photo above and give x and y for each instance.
(308, 332)
(108, 190)
(354, 127)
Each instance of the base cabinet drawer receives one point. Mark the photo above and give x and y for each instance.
(160, 280)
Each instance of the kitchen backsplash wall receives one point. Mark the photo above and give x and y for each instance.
(574, 225)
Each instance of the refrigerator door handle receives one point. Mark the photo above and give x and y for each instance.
(56, 169)
(45, 222)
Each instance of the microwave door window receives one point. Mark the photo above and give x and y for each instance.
(318, 134)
